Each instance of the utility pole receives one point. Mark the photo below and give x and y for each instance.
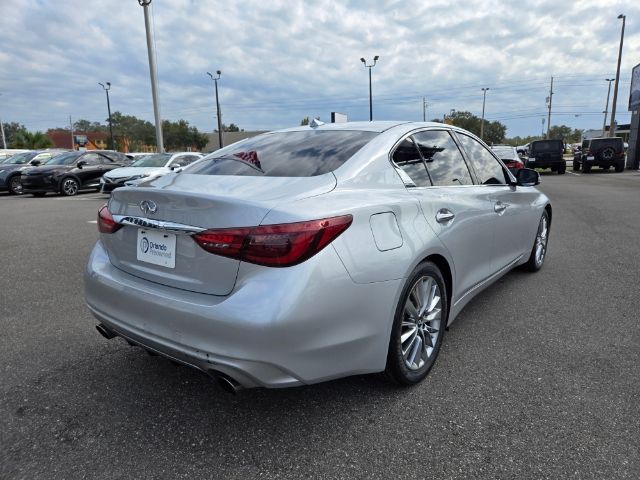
(550, 101)
(542, 132)
(4, 141)
(154, 75)
(606, 108)
(73, 147)
(215, 79)
(424, 109)
(484, 99)
(612, 128)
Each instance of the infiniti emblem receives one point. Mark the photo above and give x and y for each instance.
(148, 206)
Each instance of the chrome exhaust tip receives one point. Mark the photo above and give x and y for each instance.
(227, 383)
(105, 332)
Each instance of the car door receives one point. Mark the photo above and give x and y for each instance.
(91, 170)
(457, 211)
(511, 205)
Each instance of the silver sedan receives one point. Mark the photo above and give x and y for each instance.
(319, 252)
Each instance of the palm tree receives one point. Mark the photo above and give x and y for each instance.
(32, 141)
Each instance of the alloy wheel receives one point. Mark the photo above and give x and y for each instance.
(15, 186)
(421, 322)
(70, 187)
(541, 240)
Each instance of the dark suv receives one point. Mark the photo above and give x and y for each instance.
(600, 152)
(547, 154)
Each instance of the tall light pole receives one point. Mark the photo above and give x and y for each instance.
(154, 75)
(375, 60)
(550, 98)
(215, 79)
(484, 99)
(106, 90)
(606, 108)
(542, 133)
(615, 88)
(4, 141)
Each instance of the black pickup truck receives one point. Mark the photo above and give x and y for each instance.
(547, 154)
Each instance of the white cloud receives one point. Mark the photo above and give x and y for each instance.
(283, 60)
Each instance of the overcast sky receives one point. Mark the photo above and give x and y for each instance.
(284, 60)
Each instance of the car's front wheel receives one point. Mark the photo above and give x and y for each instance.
(576, 166)
(15, 187)
(69, 186)
(562, 169)
(539, 250)
(418, 327)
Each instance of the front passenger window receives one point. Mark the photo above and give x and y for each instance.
(488, 169)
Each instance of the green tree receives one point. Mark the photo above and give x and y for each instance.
(494, 132)
(565, 133)
(132, 131)
(88, 126)
(304, 121)
(11, 130)
(32, 141)
(180, 136)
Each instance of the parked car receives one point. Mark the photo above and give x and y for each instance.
(600, 152)
(547, 154)
(5, 153)
(523, 150)
(509, 156)
(147, 167)
(70, 172)
(313, 253)
(11, 168)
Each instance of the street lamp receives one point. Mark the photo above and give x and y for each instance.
(606, 109)
(106, 90)
(484, 99)
(153, 71)
(215, 79)
(615, 88)
(375, 60)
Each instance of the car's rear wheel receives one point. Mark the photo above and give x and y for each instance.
(539, 250)
(69, 187)
(418, 327)
(576, 166)
(586, 168)
(619, 167)
(15, 187)
(562, 169)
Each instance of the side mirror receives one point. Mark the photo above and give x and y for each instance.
(35, 163)
(527, 177)
(81, 163)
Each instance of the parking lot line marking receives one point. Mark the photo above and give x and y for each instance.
(92, 221)
(576, 174)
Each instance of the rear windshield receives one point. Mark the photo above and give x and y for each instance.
(20, 158)
(505, 153)
(547, 146)
(285, 154)
(157, 160)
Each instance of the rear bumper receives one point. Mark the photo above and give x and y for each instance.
(545, 163)
(278, 328)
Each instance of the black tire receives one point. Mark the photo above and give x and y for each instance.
(586, 168)
(397, 369)
(534, 263)
(39, 194)
(619, 167)
(576, 166)
(605, 168)
(562, 169)
(15, 187)
(69, 187)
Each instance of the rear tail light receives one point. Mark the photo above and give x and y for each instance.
(106, 223)
(518, 164)
(280, 245)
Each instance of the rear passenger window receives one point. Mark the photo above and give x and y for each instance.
(444, 161)
(407, 158)
(488, 169)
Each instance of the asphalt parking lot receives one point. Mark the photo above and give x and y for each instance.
(538, 378)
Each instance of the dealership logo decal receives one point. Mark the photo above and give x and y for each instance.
(144, 245)
(148, 206)
(157, 249)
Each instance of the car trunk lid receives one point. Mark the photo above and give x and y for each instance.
(158, 246)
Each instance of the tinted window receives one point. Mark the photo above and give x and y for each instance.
(444, 160)
(547, 146)
(155, 160)
(92, 159)
(64, 159)
(115, 156)
(488, 169)
(506, 153)
(285, 154)
(407, 158)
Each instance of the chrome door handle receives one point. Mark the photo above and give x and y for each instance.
(500, 207)
(444, 215)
